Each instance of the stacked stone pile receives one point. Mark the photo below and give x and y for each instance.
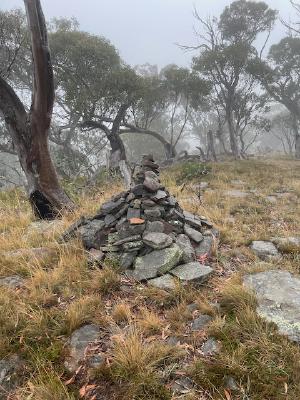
(148, 233)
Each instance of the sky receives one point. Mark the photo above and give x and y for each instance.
(146, 30)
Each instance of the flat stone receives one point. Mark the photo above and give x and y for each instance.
(157, 240)
(152, 184)
(271, 199)
(136, 203)
(156, 263)
(184, 243)
(9, 376)
(133, 246)
(152, 213)
(133, 238)
(210, 347)
(148, 203)
(155, 226)
(111, 207)
(35, 253)
(165, 282)
(196, 236)
(264, 250)
(127, 259)
(192, 219)
(205, 247)
(79, 341)
(89, 231)
(110, 220)
(278, 295)
(201, 322)
(236, 193)
(192, 272)
(45, 227)
(12, 282)
(159, 195)
(292, 241)
(95, 256)
(182, 385)
(127, 229)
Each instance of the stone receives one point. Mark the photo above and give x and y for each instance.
(123, 210)
(152, 213)
(200, 322)
(157, 240)
(127, 259)
(173, 341)
(155, 226)
(271, 199)
(131, 228)
(110, 220)
(278, 296)
(182, 385)
(192, 272)
(111, 207)
(165, 282)
(9, 377)
(172, 201)
(79, 341)
(264, 250)
(231, 384)
(39, 254)
(148, 203)
(210, 347)
(45, 227)
(132, 246)
(205, 247)
(236, 193)
(89, 231)
(95, 256)
(133, 238)
(12, 282)
(159, 195)
(156, 263)
(184, 243)
(291, 241)
(192, 307)
(133, 213)
(193, 234)
(152, 183)
(192, 220)
(96, 360)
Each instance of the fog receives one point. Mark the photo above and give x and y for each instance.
(146, 30)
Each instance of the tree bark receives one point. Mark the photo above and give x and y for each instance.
(29, 131)
(297, 136)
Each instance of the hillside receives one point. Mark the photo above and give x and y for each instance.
(192, 342)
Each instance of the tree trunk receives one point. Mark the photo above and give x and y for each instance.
(232, 134)
(297, 136)
(211, 146)
(30, 131)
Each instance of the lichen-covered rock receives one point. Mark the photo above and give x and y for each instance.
(79, 341)
(201, 322)
(9, 377)
(166, 282)
(264, 250)
(156, 263)
(278, 295)
(12, 282)
(184, 243)
(157, 240)
(205, 247)
(196, 236)
(192, 272)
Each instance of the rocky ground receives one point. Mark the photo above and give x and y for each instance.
(71, 328)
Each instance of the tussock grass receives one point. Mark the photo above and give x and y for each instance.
(61, 294)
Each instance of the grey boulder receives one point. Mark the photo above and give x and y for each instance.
(264, 250)
(192, 272)
(196, 236)
(278, 295)
(157, 240)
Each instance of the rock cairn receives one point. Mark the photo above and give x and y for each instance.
(148, 233)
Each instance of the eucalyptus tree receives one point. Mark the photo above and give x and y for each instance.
(226, 48)
(164, 105)
(279, 75)
(29, 130)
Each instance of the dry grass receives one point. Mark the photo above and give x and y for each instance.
(61, 294)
